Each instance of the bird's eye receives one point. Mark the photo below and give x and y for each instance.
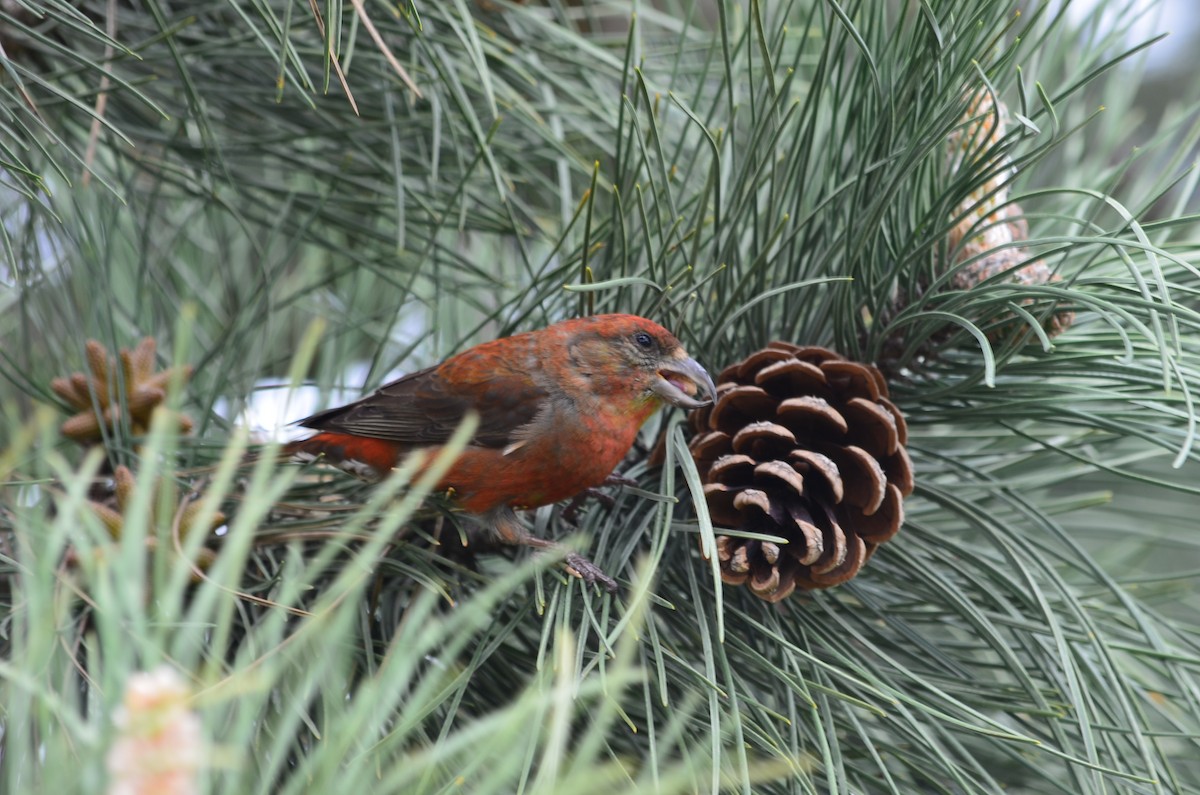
(643, 340)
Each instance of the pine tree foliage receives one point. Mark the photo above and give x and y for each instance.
(281, 190)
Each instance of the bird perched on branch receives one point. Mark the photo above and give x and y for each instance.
(558, 410)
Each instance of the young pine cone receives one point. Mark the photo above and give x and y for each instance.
(990, 223)
(803, 445)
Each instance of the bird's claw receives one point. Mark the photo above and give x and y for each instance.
(584, 569)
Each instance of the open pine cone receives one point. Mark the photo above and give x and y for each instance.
(804, 445)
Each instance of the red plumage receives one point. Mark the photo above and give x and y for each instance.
(558, 409)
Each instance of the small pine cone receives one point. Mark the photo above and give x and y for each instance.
(990, 222)
(997, 257)
(986, 242)
(804, 445)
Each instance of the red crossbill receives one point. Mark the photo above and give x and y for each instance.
(558, 409)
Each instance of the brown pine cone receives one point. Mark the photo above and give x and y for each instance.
(803, 445)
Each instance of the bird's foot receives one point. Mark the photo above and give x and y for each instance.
(509, 530)
(589, 572)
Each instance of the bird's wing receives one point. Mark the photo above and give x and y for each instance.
(425, 407)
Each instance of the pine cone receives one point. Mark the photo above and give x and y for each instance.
(986, 241)
(990, 222)
(803, 445)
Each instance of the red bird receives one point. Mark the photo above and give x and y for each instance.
(558, 410)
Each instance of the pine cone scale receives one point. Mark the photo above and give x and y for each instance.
(864, 476)
(874, 426)
(854, 556)
(899, 469)
(784, 473)
(884, 522)
(811, 415)
(791, 377)
(814, 543)
(760, 438)
(809, 461)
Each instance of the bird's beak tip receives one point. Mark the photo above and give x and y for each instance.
(686, 384)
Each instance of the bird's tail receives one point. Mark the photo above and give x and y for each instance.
(360, 456)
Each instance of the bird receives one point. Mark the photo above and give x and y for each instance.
(558, 409)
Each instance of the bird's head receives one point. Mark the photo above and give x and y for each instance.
(637, 358)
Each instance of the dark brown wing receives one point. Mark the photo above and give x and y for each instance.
(425, 407)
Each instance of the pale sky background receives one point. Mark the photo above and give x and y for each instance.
(1176, 53)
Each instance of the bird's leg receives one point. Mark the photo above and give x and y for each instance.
(571, 513)
(510, 530)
